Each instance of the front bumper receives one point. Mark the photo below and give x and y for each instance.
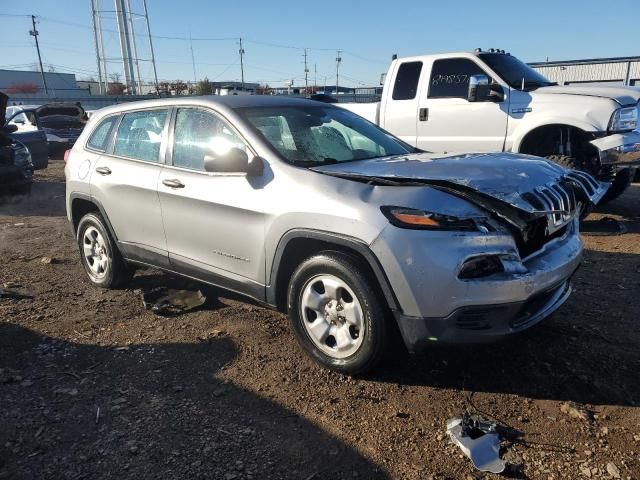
(437, 306)
(619, 150)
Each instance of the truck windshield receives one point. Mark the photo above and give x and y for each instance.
(517, 74)
(311, 135)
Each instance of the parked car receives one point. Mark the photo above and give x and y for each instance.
(491, 101)
(16, 167)
(34, 140)
(310, 209)
(62, 123)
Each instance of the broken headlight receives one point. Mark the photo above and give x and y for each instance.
(624, 119)
(423, 220)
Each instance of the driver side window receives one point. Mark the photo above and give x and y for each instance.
(450, 77)
(199, 133)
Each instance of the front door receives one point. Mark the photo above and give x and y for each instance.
(448, 122)
(213, 221)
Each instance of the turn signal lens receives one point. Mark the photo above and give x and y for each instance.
(420, 219)
(66, 155)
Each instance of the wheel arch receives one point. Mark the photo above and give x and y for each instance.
(299, 244)
(81, 204)
(524, 136)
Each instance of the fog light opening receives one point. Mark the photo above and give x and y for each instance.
(479, 267)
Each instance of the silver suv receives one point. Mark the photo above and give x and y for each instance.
(310, 209)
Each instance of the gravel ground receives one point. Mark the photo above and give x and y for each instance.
(92, 385)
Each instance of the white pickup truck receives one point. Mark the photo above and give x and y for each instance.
(491, 101)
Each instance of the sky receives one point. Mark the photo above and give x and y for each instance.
(275, 34)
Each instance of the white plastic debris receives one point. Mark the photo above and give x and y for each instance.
(478, 440)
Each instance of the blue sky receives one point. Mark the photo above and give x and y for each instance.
(275, 33)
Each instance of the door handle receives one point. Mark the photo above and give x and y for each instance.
(424, 114)
(103, 170)
(173, 183)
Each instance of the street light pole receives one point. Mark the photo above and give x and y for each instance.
(338, 60)
(241, 63)
(35, 34)
(306, 74)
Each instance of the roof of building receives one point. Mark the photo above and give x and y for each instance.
(586, 61)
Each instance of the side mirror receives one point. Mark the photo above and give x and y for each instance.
(10, 128)
(479, 88)
(234, 160)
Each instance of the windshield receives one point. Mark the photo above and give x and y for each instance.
(312, 135)
(517, 74)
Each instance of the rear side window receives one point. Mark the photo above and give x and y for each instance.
(100, 137)
(407, 79)
(140, 134)
(450, 77)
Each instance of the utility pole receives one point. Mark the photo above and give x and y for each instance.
(153, 58)
(193, 61)
(306, 74)
(135, 48)
(125, 45)
(34, 33)
(338, 60)
(95, 37)
(315, 76)
(241, 63)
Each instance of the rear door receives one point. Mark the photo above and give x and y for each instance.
(214, 221)
(401, 109)
(125, 181)
(447, 121)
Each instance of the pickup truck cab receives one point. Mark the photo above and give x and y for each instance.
(491, 101)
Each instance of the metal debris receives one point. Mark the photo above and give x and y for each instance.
(171, 301)
(478, 440)
(606, 226)
(14, 294)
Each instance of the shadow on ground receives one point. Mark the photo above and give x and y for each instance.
(165, 414)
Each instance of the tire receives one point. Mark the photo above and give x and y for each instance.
(567, 162)
(620, 183)
(99, 255)
(353, 334)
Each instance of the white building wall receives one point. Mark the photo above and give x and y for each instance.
(593, 72)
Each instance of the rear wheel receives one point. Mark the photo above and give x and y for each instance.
(336, 315)
(100, 257)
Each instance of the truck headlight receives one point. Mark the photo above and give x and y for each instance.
(422, 220)
(21, 156)
(624, 119)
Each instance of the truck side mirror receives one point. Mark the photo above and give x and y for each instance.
(479, 88)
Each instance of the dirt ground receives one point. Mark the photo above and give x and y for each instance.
(92, 385)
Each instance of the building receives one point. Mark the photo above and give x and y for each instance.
(29, 84)
(94, 87)
(612, 71)
(234, 88)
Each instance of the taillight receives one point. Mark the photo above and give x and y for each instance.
(66, 155)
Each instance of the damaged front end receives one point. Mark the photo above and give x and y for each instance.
(619, 150)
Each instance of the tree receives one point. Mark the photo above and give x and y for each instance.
(23, 88)
(116, 88)
(114, 77)
(203, 87)
(264, 90)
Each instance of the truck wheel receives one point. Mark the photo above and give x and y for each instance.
(567, 162)
(336, 315)
(620, 183)
(100, 257)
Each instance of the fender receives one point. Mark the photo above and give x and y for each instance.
(84, 196)
(339, 240)
(524, 129)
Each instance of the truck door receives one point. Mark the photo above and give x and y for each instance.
(448, 122)
(401, 110)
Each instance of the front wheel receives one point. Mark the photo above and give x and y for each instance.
(336, 315)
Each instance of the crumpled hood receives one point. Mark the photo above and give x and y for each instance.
(622, 95)
(507, 177)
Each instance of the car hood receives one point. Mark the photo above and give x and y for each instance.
(507, 177)
(622, 95)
